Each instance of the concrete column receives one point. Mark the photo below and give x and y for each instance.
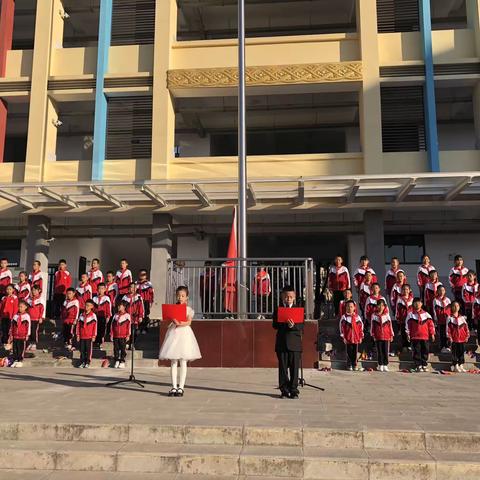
(370, 102)
(473, 19)
(375, 242)
(162, 243)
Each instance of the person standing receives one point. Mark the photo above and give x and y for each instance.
(338, 281)
(62, 282)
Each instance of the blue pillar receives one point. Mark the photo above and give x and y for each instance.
(101, 105)
(429, 95)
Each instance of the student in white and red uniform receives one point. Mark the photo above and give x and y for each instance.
(391, 276)
(70, 314)
(36, 311)
(19, 333)
(121, 329)
(441, 311)
(396, 289)
(430, 291)
(36, 276)
(458, 333)
(469, 294)
(86, 333)
(8, 308)
(6, 277)
(458, 278)
(62, 281)
(83, 292)
(146, 291)
(381, 330)
(103, 309)
(420, 329)
(365, 291)
(23, 288)
(135, 308)
(402, 309)
(338, 280)
(123, 278)
(351, 331)
(261, 289)
(347, 297)
(359, 274)
(371, 303)
(95, 276)
(423, 275)
(112, 287)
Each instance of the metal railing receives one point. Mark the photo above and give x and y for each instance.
(213, 284)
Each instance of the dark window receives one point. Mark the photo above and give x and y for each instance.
(409, 249)
(10, 249)
(398, 16)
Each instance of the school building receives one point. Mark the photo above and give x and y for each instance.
(118, 130)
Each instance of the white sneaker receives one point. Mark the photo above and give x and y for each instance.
(359, 369)
(121, 365)
(19, 365)
(13, 365)
(385, 368)
(426, 369)
(33, 347)
(350, 368)
(380, 368)
(448, 349)
(391, 354)
(87, 365)
(117, 363)
(82, 365)
(457, 368)
(462, 368)
(453, 368)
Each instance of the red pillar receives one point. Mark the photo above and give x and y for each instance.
(7, 10)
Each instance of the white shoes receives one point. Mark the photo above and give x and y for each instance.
(17, 364)
(462, 368)
(117, 363)
(385, 368)
(380, 368)
(14, 364)
(350, 368)
(121, 365)
(453, 368)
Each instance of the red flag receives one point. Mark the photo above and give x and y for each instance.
(230, 272)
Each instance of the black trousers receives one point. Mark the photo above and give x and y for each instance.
(67, 333)
(352, 354)
(382, 351)
(442, 333)
(337, 298)
(19, 350)
(261, 304)
(401, 334)
(208, 301)
(288, 366)
(86, 351)
(458, 353)
(420, 352)
(33, 339)
(469, 315)
(119, 349)
(58, 299)
(101, 328)
(5, 329)
(146, 318)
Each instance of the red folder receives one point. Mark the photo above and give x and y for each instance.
(174, 312)
(296, 314)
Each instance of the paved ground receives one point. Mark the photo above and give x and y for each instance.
(396, 401)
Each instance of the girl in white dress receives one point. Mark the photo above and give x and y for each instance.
(180, 346)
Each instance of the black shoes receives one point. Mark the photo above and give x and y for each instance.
(284, 395)
(292, 396)
(172, 392)
(179, 392)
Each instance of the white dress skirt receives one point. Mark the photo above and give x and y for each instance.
(180, 343)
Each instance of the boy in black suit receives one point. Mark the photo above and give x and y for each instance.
(288, 347)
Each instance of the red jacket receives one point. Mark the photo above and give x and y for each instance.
(23, 290)
(359, 275)
(9, 306)
(62, 281)
(145, 290)
(469, 293)
(36, 309)
(430, 293)
(36, 279)
(420, 325)
(135, 307)
(70, 311)
(395, 292)
(83, 293)
(261, 284)
(458, 278)
(121, 326)
(103, 306)
(476, 309)
(6, 278)
(441, 310)
(391, 279)
(371, 305)
(423, 275)
(381, 327)
(342, 308)
(123, 279)
(363, 293)
(20, 327)
(403, 308)
(338, 279)
(351, 329)
(112, 291)
(95, 276)
(87, 326)
(457, 329)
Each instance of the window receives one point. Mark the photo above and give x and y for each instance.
(11, 249)
(409, 249)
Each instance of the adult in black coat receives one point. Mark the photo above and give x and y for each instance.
(288, 347)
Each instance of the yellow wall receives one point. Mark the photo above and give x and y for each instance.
(19, 63)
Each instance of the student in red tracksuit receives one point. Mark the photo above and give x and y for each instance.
(360, 272)
(391, 277)
(19, 332)
(458, 334)
(146, 291)
(381, 330)
(36, 276)
(83, 292)
(402, 309)
(6, 277)
(103, 309)
(423, 274)
(430, 291)
(396, 289)
(112, 287)
(8, 308)
(469, 293)
(365, 291)
(261, 289)
(70, 314)
(61, 282)
(86, 332)
(420, 329)
(23, 287)
(123, 278)
(441, 311)
(347, 297)
(120, 334)
(135, 308)
(458, 278)
(351, 331)
(338, 280)
(95, 276)
(371, 303)
(37, 315)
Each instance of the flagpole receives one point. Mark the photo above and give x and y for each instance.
(242, 163)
